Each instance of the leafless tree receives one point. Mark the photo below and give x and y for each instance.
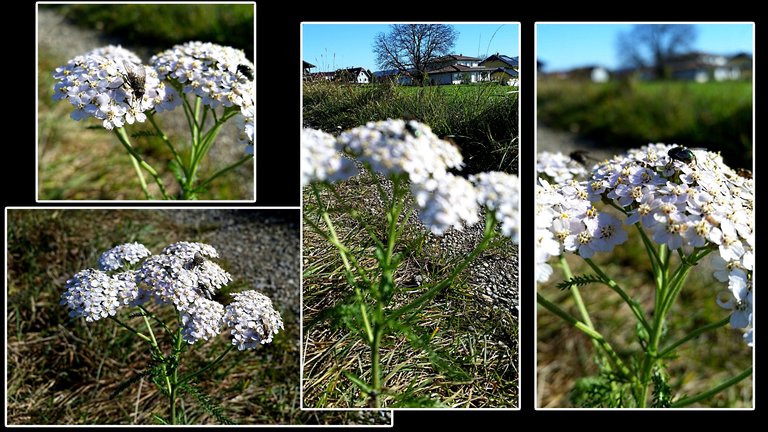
(410, 48)
(653, 45)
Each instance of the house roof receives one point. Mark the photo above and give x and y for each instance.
(308, 65)
(511, 72)
(355, 71)
(459, 68)
(454, 57)
(511, 61)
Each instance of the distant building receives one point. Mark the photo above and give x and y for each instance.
(703, 67)
(306, 66)
(321, 76)
(505, 68)
(356, 75)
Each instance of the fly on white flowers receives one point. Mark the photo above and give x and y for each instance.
(688, 205)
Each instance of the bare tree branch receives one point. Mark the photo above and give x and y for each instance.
(653, 45)
(410, 48)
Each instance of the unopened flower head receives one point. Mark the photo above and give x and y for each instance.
(101, 86)
(252, 320)
(500, 192)
(321, 159)
(117, 257)
(95, 295)
(397, 146)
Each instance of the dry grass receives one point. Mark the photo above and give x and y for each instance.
(482, 343)
(64, 371)
(566, 354)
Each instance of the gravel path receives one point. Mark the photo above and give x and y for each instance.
(260, 246)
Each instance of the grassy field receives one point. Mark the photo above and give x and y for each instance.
(565, 354)
(64, 371)
(628, 114)
(161, 26)
(481, 120)
(480, 341)
(82, 160)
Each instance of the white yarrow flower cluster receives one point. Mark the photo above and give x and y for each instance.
(117, 257)
(96, 84)
(409, 149)
(218, 75)
(176, 278)
(180, 275)
(500, 193)
(93, 294)
(321, 159)
(252, 320)
(202, 320)
(700, 203)
(559, 167)
(397, 146)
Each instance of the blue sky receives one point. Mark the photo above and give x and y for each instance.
(564, 46)
(334, 46)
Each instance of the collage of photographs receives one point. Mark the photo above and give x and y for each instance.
(438, 252)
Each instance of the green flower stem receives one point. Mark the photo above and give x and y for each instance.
(374, 400)
(157, 350)
(168, 143)
(123, 137)
(594, 334)
(224, 171)
(175, 375)
(160, 322)
(218, 359)
(701, 330)
(655, 261)
(131, 329)
(334, 239)
(714, 390)
(575, 293)
(633, 305)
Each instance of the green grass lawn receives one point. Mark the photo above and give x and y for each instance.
(481, 119)
(627, 114)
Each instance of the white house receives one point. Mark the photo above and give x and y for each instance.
(356, 75)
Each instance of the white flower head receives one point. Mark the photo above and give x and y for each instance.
(559, 167)
(202, 320)
(182, 275)
(397, 146)
(321, 159)
(450, 203)
(500, 192)
(252, 320)
(117, 257)
(91, 294)
(103, 84)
